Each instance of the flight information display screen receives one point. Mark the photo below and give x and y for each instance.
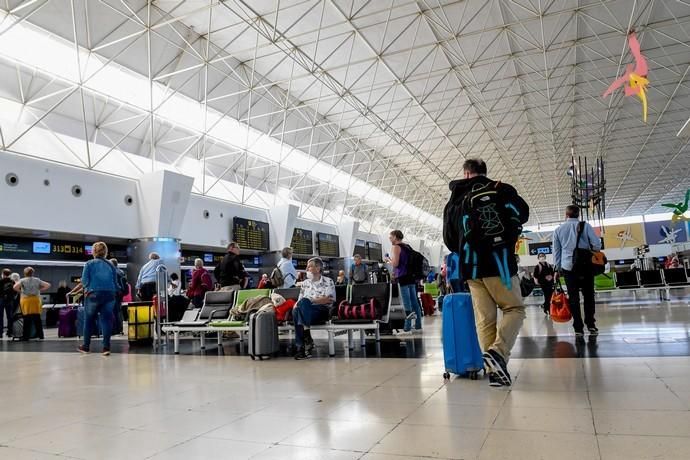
(302, 241)
(329, 245)
(360, 248)
(250, 234)
(374, 251)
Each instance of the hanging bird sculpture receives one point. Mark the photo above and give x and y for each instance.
(634, 81)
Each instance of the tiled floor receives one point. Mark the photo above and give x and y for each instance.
(137, 406)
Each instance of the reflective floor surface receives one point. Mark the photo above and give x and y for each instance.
(565, 403)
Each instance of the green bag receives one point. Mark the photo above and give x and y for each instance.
(224, 323)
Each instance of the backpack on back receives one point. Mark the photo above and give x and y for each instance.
(277, 279)
(417, 265)
(489, 225)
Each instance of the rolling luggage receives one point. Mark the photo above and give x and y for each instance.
(52, 316)
(461, 352)
(67, 322)
(17, 324)
(263, 334)
(428, 304)
(439, 302)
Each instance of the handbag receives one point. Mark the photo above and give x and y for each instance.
(587, 260)
(560, 307)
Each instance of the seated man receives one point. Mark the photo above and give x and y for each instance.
(317, 294)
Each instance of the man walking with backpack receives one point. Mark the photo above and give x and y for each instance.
(482, 222)
(544, 272)
(407, 271)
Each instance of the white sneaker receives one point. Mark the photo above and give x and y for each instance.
(403, 334)
(419, 331)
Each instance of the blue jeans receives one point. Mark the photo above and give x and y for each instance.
(408, 294)
(304, 314)
(102, 302)
(6, 307)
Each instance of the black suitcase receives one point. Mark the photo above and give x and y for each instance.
(263, 334)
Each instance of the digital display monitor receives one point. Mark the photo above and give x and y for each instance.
(41, 247)
(88, 249)
(300, 264)
(540, 248)
(329, 245)
(374, 251)
(302, 241)
(250, 234)
(361, 249)
(208, 258)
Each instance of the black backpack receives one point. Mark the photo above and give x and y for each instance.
(490, 225)
(417, 265)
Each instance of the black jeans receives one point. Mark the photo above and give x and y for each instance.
(148, 290)
(547, 288)
(580, 282)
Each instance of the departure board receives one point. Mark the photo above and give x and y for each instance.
(302, 241)
(360, 249)
(329, 245)
(250, 234)
(300, 264)
(374, 251)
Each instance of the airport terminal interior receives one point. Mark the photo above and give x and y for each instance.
(344, 229)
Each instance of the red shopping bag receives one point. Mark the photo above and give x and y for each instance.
(560, 307)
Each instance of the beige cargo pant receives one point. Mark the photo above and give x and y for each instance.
(488, 296)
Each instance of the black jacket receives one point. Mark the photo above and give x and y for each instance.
(542, 271)
(452, 218)
(230, 270)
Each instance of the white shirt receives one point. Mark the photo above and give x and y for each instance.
(324, 287)
(289, 272)
(174, 288)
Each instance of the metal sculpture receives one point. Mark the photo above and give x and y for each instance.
(588, 187)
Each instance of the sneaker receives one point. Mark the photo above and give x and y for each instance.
(493, 381)
(593, 331)
(309, 347)
(302, 354)
(497, 365)
(418, 331)
(106, 352)
(403, 333)
(83, 349)
(579, 334)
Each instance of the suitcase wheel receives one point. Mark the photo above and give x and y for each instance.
(261, 358)
(446, 376)
(474, 375)
(253, 357)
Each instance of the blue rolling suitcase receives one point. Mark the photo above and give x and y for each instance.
(461, 352)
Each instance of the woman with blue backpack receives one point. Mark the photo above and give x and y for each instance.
(407, 272)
